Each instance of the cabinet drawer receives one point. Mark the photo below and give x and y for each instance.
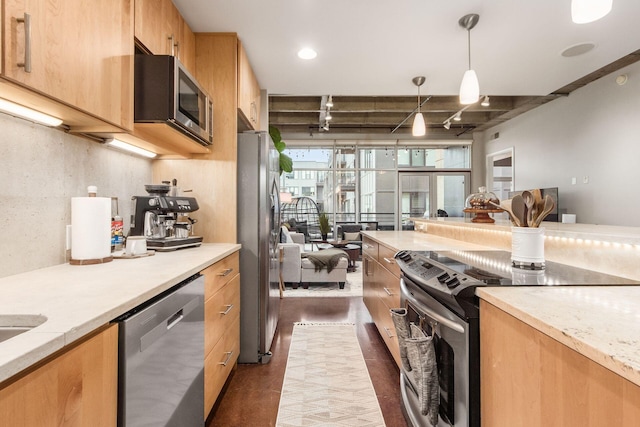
(220, 273)
(388, 288)
(369, 247)
(220, 311)
(385, 257)
(384, 322)
(219, 363)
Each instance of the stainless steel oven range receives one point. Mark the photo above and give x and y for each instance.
(438, 293)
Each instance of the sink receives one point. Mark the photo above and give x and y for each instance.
(12, 325)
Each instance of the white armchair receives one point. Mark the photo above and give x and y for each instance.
(295, 269)
(292, 249)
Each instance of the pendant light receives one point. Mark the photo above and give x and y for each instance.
(585, 11)
(419, 128)
(469, 88)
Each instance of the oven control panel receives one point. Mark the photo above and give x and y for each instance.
(429, 273)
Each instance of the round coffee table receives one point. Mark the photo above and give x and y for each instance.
(354, 253)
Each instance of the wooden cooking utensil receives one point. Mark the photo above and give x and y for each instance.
(519, 209)
(549, 204)
(506, 206)
(530, 203)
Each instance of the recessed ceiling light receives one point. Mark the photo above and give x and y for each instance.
(577, 49)
(307, 53)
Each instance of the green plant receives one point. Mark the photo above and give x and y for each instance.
(323, 220)
(286, 163)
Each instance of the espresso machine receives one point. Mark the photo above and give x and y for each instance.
(163, 219)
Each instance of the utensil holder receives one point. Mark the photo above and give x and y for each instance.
(527, 248)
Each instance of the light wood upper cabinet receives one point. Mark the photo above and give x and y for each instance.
(76, 387)
(80, 54)
(248, 93)
(160, 28)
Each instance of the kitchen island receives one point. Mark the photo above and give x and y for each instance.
(76, 300)
(595, 325)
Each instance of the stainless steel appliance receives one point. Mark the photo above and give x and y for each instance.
(165, 92)
(161, 359)
(258, 231)
(159, 218)
(438, 291)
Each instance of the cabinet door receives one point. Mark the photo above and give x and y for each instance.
(154, 25)
(369, 289)
(79, 53)
(248, 92)
(79, 387)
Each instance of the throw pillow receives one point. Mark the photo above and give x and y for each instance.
(285, 237)
(352, 236)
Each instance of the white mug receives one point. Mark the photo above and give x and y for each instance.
(136, 245)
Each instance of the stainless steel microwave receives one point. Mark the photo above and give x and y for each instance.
(165, 92)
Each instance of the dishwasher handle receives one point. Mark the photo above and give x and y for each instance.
(163, 327)
(175, 319)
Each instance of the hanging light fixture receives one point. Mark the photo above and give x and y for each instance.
(458, 116)
(328, 115)
(447, 124)
(485, 101)
(419, 128)
(469, 88)
(585, 11)
(329, 102)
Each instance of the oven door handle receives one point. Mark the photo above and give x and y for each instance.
(435, 316)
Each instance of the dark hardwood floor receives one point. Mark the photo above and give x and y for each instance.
(252, 394)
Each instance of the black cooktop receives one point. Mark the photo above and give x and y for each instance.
(454, 275)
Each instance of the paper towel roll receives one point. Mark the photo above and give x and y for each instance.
(90, 228)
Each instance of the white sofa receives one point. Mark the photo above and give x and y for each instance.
(295, 269)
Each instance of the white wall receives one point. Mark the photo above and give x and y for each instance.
(594, 133)
(40, 170)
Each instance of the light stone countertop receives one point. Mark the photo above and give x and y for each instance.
(77, 300)
(599, 322)
(596, 232)
(415, 241)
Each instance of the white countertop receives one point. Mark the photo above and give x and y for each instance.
(599, 322)
(77, 299)
(589, 232)
(414, 241)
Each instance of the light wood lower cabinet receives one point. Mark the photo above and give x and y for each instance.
(222, 325)
(381, 290)
(530, 379)
(75, 387)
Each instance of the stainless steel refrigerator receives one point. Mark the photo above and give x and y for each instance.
(258, 232)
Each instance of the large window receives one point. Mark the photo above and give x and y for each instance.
(358, 183)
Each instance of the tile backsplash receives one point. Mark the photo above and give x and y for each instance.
(41, 169)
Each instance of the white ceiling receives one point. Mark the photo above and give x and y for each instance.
(375, 47)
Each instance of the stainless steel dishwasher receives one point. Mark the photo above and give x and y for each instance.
(161, 359)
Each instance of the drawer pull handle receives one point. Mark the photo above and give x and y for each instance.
(368, 246)
(229, 307)
(225, 272)
(389, 334)
(229, 354)
(27, 42)
(390, 260)
(388, 292)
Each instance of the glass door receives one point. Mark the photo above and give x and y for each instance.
(430, 194)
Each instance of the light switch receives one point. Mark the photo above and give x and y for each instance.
(585, 179)
(574, 181)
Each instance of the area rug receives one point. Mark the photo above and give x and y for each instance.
(352, 288)
(326, 382)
